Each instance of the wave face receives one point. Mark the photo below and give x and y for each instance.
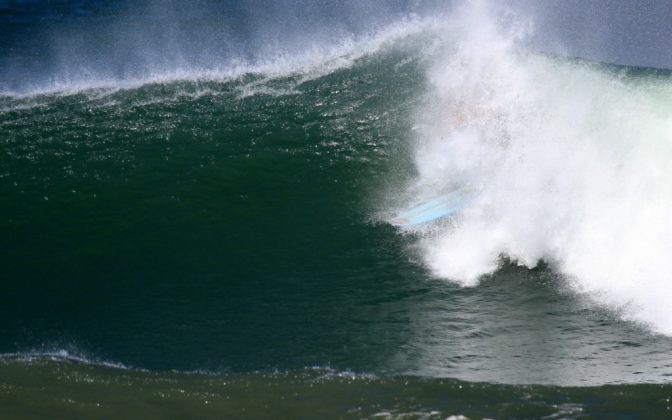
(218, 202)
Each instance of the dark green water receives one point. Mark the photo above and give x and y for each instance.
(172, 231)
(217, 248)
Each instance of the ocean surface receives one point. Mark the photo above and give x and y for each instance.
(195, 207)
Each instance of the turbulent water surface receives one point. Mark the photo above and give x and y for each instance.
(196, 223)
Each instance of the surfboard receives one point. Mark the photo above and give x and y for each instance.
(435, 208)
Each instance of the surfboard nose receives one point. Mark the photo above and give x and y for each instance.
(399, 221)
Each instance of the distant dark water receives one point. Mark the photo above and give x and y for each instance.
(234, 226)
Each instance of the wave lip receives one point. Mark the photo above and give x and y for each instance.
(313, 61)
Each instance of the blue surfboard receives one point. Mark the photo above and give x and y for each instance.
(442, 206)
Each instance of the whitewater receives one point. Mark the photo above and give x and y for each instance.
(571, 162)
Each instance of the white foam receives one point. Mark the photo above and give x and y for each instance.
(59, 355)
(572, 163)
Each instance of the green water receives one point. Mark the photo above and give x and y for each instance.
(178, 226)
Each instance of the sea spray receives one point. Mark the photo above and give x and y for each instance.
(155, 42)
(571, 161)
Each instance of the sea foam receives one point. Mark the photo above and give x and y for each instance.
(571, 163)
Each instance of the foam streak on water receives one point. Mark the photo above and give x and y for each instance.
(572, 163)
